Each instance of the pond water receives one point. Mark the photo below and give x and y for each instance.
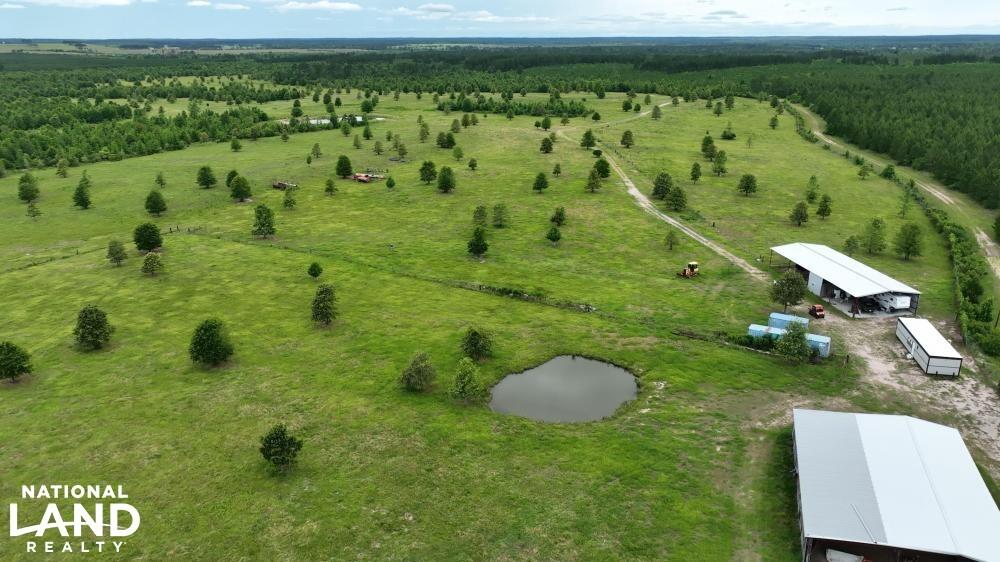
(565, 389)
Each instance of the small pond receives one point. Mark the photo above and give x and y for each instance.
(565, 389)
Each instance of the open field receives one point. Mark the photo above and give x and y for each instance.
(696, 468)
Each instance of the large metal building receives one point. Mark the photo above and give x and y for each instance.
(890, 489)
(847, 283)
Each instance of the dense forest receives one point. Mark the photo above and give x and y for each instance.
(926, 105)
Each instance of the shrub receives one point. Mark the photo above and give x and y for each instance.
(14, 361)
(467, 386)
(419, 374)
(152, 264)
(315, 270)
(210, 343)
(93, 331)
(280, 448)
(477, 344)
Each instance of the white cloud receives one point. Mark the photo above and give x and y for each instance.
(225, 6)
(485, 16)
(436, 8)
(319, 5)
(198, 3)
(11, 7)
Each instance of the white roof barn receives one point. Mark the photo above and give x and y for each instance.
(845, 272)
(873, 484)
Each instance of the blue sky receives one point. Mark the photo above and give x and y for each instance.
(89, 19)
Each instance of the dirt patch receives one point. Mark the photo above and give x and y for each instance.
(991, 249)
(965, 402)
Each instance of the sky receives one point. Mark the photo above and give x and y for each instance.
(227, 19)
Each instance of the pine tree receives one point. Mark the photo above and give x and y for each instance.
(662, 185)
(206, 178)
(473, 164)
(235, 145)
(719, 163)
(61, 170)
(501, 217)
(546, 147)
(390, 183)
(428, 172)
(671, 240)
(603, 168)
(554, 235)
(557, 170)
(800, 213)
(478, 246)
(773, 123)
(708, 147)
(377, 148)
(657, 112)
(676, 199)
(81, 197)
(263, 224)
(152, 264)
(14, 361)
(27, 188)
(477, 344)
(331, 187)
(628, 140)
(279, 448)
(93, 331)
(541, 183)
(593, 181)
(343, 167)
(289, 202)
(210, 343)
(230, 176)
(873, 239)
(324, 305)
(446, 180)
(479, 216)
(812, 190)
(160, 181)
(418, 375)
(240, 189)
(824, 209)
(909, 241)
(315, 270)
(33, 211)
(155, 204)
(457, 153)
(588, 139)
(852, 245)
(695, 172)
(116, 252)
(558, 216)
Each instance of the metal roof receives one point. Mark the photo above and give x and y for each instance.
(845, 272)
(929, 338)
(894, 481)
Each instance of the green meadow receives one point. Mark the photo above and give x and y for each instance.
(696, 468)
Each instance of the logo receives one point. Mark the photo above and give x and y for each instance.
(85, 519)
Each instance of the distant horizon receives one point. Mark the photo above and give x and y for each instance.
(995, 35)
(291, 19)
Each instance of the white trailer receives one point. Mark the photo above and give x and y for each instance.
(928, 347)
(891, 302)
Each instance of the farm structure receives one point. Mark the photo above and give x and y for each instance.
(888, 488)
(848, 284)
(776, 329)
(928, 347)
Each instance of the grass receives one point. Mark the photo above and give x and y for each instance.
(385, 474)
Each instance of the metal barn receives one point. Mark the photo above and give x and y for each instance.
(890, 489)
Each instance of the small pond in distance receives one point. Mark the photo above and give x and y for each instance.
(565, 389)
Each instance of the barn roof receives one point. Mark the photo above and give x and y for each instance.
(895, 481)
(845, 272)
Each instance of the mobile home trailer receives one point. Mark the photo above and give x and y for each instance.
(928, 347)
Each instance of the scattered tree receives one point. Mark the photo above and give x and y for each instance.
(418, 375)
(588, 140)
(315, 270)
(478, 246)
(288, 201)
(263, 222)
(662, 185)
(446, 180)
(93, 331)
(27, 188)
(61, 170)
(657, 112)
(559, 216)
(824, 209)
(593, 181)
(628, 140)
(81, 197)
(672, 239)
(331, 187)
(14, 361)
(155, 204)
(748, 184)
(553, 235)
(206, 177)
(324, 305)
(873, 238)
(557, 171)
(210, 343)
(160, 181)
(695, 172)
(501, 217)
(428, 172)
(479, 216)
(343, 168)
(546, 147)
(152, 264)
(239, 189)
(676, 199)
(279, 448)
(477, 344)
(116, 252)
(708, 147)
(909, 241)
(790, 288)
(773, 123)
(800, 213)
(457, 153)
(541, 183)
(33, 211)
(603, 168)
(147, 237)
(852, 245)
(473, 164)
(230, 177)
(235, 145)
(812, 190)
(793, 344)
(467, 387)
(719, 163)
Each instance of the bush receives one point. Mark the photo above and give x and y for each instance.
(477, 344)
(280, 448)
(14, 361)
(210, 343)
(315, 270)
(793, 344)
(467, 386)
(419, 374)
(92, 328)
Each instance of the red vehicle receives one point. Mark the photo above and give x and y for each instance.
(363, 178)
(817, 311)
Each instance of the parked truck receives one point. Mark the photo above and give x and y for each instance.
(891, 302)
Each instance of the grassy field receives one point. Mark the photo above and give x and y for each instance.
(695, 469)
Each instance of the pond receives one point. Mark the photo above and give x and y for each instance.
(565, 389)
